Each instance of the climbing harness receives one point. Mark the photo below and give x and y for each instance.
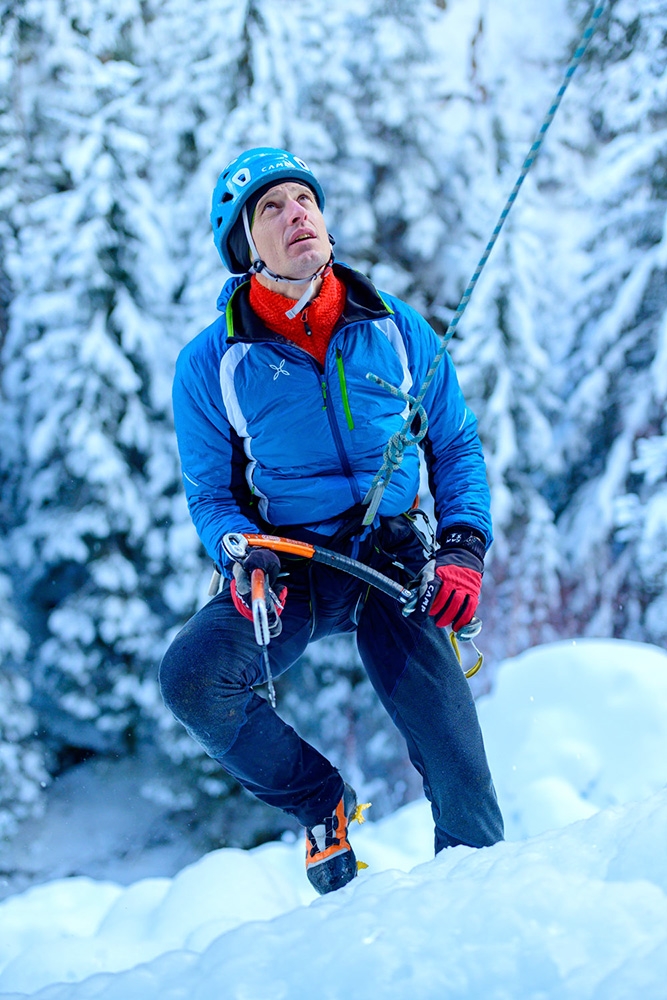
(393, 454)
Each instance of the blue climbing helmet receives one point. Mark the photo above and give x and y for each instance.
(239, 181)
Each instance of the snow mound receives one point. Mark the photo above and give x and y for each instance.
(573, 727)
(579, 911)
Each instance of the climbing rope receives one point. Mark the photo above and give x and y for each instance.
(393, 453)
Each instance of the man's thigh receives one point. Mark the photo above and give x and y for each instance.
(208, 673)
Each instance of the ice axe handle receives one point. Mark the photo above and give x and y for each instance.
(258, 602)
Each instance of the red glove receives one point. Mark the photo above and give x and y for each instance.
(453, 594)
(456, 601)
(269, 563)
(240, 602)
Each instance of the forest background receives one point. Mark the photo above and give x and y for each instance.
(116, 117)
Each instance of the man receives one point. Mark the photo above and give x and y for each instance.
(280, 431)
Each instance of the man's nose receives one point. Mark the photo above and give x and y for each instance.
(297, 211)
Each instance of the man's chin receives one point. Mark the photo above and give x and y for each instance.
(305, 262)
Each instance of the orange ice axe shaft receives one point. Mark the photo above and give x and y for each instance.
(236, 545)
(260, 621)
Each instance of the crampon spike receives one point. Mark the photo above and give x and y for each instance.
(358, 814)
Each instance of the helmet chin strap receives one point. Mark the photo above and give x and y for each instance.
(259, 267)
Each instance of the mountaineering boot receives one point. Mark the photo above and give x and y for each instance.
(330, 860)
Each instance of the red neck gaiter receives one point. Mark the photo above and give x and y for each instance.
(312, 328)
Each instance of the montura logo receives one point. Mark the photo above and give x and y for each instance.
(279, 369)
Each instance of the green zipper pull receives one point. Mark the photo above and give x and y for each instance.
(343, 389)
(324, 395)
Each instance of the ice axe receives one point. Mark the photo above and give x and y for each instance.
(260, 621)
(261, 599)
(236, 546)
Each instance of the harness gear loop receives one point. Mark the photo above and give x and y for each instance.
(393, 456)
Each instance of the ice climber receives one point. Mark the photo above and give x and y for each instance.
(280, 431)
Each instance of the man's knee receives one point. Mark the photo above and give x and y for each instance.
(179, 676)
(207, 699)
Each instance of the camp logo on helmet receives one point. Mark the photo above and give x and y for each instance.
(284, 164)
(241, 177)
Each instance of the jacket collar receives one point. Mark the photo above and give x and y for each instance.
(362, 303)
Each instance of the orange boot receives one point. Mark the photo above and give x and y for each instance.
(330, 860)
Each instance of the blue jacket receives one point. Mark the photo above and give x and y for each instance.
(268, 438)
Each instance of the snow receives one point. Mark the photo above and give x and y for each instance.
(116, 118)
(562, 731)
(572, 905)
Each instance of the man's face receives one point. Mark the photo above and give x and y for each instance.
(289, 230)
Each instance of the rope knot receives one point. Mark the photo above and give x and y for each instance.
(393, 453)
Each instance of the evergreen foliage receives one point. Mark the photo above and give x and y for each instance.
(613, 360)
(115, 119)
(23, 763)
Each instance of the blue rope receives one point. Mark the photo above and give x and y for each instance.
(393, 454)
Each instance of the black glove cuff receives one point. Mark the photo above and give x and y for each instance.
(461, 536)
(264, 559)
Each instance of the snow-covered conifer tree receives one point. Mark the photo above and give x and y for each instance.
(23, 760)
(612, 495)
(90, 471)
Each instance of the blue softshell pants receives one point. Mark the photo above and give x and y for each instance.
(208, 674)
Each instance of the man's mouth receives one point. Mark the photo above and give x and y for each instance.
(301, 237)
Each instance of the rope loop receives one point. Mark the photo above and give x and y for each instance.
(406, 436)
(417, 413)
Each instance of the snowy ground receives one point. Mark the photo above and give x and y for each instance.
(573, 905)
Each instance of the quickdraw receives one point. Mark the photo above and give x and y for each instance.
(468, 634)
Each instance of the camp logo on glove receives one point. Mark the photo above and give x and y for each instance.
(455, 600)
(427, 596)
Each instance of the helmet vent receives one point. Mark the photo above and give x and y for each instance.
(227, 196)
